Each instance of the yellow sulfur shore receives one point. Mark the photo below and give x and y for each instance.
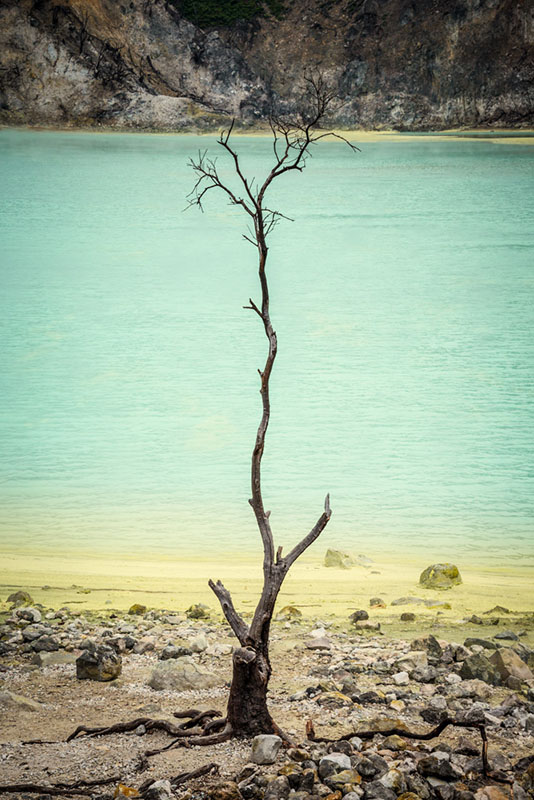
(172, 582)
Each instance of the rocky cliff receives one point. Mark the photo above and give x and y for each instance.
(186, 64)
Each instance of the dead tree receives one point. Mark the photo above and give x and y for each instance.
(247, 711)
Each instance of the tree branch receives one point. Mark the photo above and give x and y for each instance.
(237, 624)
(311, 537)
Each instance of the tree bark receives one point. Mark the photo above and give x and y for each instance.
(247, 712)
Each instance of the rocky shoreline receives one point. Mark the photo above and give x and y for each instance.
(61, 668)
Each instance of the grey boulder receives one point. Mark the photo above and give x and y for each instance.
(265, 748)
(98, 664)
(181, 675)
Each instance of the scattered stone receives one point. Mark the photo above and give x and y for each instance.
(174, 651)
(45, 643)
(485, 643)
(346, 779)
(359, 615)
(159, 790)
(416, 659)
(137, 610)
(338, 559)
(265, 748)
(479, 667)
(394, 779)
(277, 789)
(491, 793)
(334, 700)
(318, 643)
(198, 611)
(438, 765)
(226, 790)
(180, 675)
(394, 743)
(375, 790)
(332, 763)
(497, 610)
(508, 636)
(440, 576)
(366, 625)
(508, 665)
(428, 644)
(377, 602)
(145, 646)
(438, 604)
(199, 643)
(29, 613)
(33, 632)
(474, 620)
(401, 678)
(98, 664)
(20, 598)
(407, 616)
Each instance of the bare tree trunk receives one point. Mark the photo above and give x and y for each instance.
(247, 713)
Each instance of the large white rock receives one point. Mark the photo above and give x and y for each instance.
(180, 675)
(265, 748)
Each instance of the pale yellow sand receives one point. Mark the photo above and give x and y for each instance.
(174, 583)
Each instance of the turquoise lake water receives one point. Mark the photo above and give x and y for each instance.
(403, 299)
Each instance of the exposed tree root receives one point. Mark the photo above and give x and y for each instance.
(214, 725)
(204, 719)
(421, 736)
(186, 729)
(64, 789)
(194, 740)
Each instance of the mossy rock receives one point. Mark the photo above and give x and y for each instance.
(137, 610)
(20, 599)
(440, 576)
(198, 611)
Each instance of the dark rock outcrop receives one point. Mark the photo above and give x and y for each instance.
(406, 64)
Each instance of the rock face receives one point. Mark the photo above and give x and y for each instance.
(181, 675)
(98, 664)
(395, 64)
(440, 576)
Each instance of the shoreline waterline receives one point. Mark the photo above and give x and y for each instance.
(497, 136)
